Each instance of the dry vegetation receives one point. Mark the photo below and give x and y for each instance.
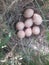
(28, 51)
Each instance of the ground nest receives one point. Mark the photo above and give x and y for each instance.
(13, 15)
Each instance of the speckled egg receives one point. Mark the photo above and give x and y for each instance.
(28, 23)
(21, 34)
(36, 30)
(28, 13)
(20, 26)
(37, 19)
(28, 32)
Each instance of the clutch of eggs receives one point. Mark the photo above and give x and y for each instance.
(31, 18)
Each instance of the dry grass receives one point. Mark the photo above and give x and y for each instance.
(32, 48)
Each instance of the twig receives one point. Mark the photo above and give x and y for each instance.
(10, 53)
(9, 6)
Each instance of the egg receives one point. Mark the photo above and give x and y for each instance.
(36, 30)
(28, 13)
(20, 26)
(28, 32)
(21, 34)
(37, 19)
(28, 23)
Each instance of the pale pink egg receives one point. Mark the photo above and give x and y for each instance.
(21, 34)
(28, 13)
(36, 30)
(28, 32)
(28, 23)
(20, 26)
(37, 19)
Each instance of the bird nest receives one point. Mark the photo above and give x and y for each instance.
(26, 45)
